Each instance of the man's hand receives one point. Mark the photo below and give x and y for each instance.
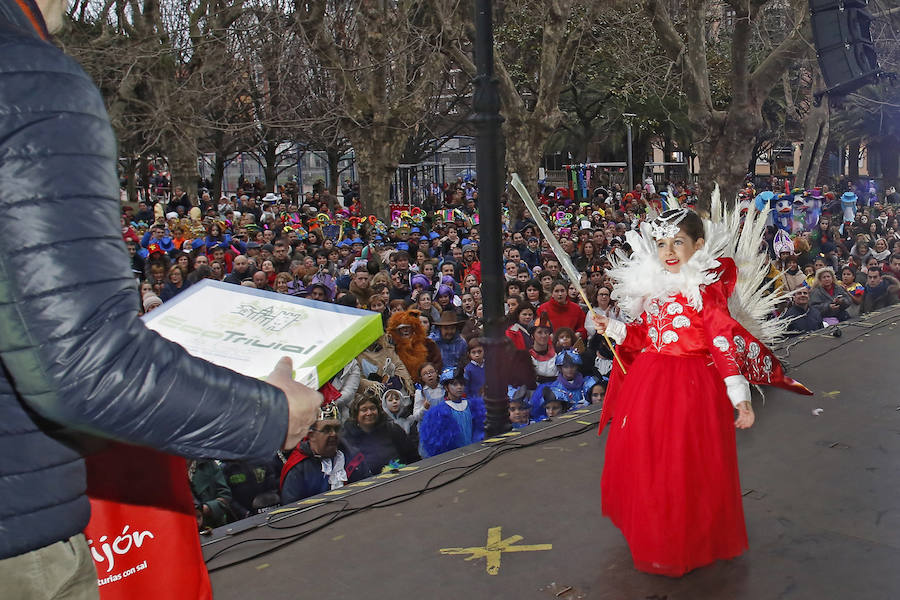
(303, 402)
(745, 417)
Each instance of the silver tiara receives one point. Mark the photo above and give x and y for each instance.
(667, 227)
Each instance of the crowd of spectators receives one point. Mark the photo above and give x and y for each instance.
(417, 390)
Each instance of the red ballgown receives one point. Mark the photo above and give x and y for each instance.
(670, 479)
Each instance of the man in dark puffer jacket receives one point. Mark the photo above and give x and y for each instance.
(74, 355)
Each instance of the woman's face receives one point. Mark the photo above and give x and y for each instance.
(573, 293)
(443, 301)
(847, 277)
(564, 341)
(376, 304)
(533, 293)
(183, 262)
(281, 286)
(426, 324)
(511, 304)
(826, 279)
(471, 281)
(424, 301)
(541, 337)
(267, 267)
(588, 248)
(603, 297)
(526, 317)
(216, 270)
(146, 287)
(428, 270)
(175, 276)
(368, 414)
(880, 245)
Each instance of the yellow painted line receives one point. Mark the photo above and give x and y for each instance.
(337, 538)
(568, 416)
(540, 460)
(493, 440)
(510, 433)
(363, 483)
(337, 492)
(385, 475)
(831, 394)
(262, 566)
(311, 501)
(495, 546)
(584, 422)
(580, 411)
(403, 469)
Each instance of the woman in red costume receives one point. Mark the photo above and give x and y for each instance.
(670, 480)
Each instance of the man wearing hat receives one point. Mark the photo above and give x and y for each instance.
(322, 461)
(446, 335)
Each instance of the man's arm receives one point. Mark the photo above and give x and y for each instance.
(70, 338)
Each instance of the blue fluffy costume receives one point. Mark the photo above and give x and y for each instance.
(444, 429)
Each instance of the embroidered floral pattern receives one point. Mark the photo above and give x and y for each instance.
(674, 308)
(669, 337)
(680, 322)
(721, 342)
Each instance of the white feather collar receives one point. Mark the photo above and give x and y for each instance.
(642, 277)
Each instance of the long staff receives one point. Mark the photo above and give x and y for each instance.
(561, 255)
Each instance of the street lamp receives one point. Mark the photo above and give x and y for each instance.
(628, 117)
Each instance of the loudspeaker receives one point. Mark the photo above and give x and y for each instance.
(843, 44)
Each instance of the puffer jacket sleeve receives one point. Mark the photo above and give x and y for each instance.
(71, 341)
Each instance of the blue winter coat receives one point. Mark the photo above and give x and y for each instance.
(75, 355)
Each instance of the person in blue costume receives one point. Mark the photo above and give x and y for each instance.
(571, 387)
(456, 422)
(519, 407)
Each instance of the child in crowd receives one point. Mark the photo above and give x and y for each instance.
(395, 403)
(570, 386)
(597, 392)
(474, 371)
(519, 407)
(456, 422)
(553, 405)
(542, 353)
(428, 393)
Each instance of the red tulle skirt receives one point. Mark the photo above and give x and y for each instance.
(670, 479)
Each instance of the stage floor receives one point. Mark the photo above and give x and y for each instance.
(821, 498)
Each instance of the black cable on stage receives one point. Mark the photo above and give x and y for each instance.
(863, 324)
(332, 517)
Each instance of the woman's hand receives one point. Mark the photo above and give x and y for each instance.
(745, 417)
(600, 321)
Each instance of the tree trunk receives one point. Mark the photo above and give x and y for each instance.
(270, 166)
(853, 161)
(376, 149)
(183, 154)
(523, 156)
(725, 153)
(218, 179)
(890, 164)
(131, 180)
(334, 158)
(815, 140)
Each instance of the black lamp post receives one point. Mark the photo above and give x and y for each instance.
(489, 168)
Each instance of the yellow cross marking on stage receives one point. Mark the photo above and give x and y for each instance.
(494, 547)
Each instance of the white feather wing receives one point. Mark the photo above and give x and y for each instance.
(753, 301)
